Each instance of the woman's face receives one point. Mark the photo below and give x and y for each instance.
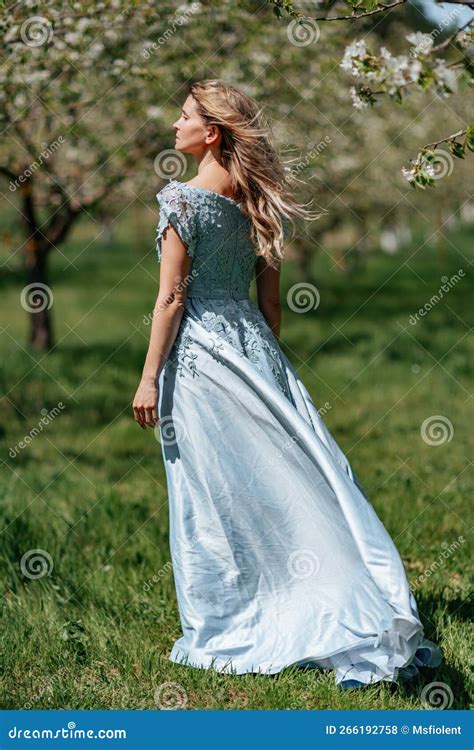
(192, 135)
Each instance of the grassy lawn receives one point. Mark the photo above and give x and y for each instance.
(90, 489)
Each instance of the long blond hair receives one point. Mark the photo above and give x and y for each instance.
(259, 180)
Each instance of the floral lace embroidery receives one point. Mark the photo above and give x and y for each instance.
(177, 210)
(217, 233)
(254, 339)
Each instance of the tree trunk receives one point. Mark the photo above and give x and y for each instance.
(38, 300)
(37, 297)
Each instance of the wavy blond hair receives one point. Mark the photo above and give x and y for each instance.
(259, 180)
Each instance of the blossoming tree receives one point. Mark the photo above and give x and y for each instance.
(89, 95)
(423, 67)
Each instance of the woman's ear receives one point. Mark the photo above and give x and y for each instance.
(213, 134)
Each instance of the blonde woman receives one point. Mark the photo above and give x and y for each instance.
(278, 556)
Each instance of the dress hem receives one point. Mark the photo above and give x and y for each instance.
(409, 667)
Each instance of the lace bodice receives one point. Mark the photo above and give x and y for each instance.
(216, 232)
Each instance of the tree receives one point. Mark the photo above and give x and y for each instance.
(78, 112)
(89, 95)
(423, 67)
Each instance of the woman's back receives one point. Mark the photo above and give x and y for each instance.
(217, 234)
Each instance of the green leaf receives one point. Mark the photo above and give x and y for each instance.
(469, 139)
(456, 148)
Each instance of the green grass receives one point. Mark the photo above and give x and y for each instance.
(91, 491)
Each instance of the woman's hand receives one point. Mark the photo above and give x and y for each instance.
(145, 403)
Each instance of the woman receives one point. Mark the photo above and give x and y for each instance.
(278, 556)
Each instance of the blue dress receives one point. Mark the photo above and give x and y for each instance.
(278, 556)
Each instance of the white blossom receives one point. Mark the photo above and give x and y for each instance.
(464, 39)
(355, 51)
(409, 174)
(95, 50)
(36, 76)
(445, 77)
(385, 53)
(423, 43)
(154, 113)
(357, 100)
(72, 37)
(83, 23)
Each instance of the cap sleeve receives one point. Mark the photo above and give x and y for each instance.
(176, 209)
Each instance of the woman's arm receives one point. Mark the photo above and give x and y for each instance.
(167, 314)
(268, 294)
